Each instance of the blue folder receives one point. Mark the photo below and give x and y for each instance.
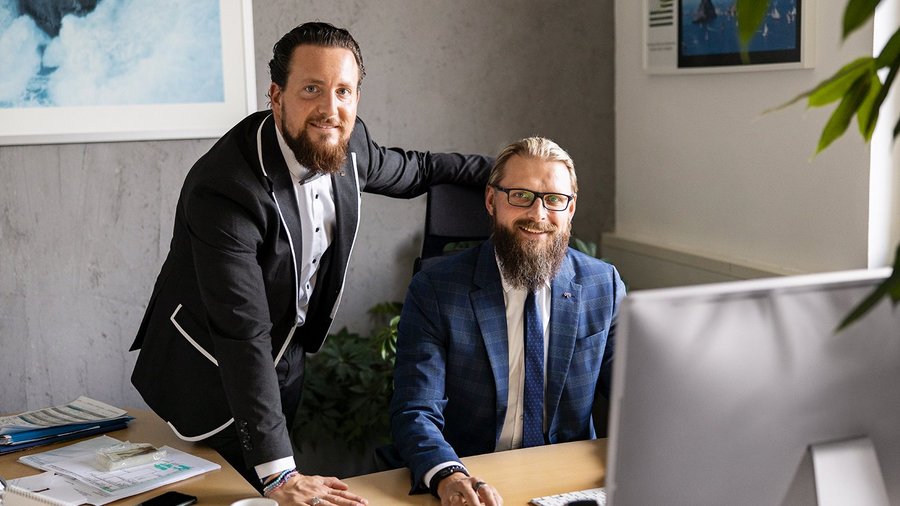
(48, 435)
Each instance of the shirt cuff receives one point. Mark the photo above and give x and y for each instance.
(274, 467)
(426, 480)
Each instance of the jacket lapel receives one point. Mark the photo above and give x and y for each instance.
(490, 313)
(564, 303)
(346, 203)
(282, 190)
(330, 289)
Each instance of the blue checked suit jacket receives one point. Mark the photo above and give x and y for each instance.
(452, 367)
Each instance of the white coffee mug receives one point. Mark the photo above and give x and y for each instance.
(255, 501)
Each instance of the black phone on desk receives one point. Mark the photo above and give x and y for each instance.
(170, 498)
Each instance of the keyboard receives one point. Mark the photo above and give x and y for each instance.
(597, 494)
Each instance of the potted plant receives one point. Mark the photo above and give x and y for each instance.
(348, 385)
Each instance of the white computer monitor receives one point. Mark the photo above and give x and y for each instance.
(720, 391)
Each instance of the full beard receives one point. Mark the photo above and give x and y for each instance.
(318, 157)
(530, 264)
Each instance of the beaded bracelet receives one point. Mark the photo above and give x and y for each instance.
(278, 482)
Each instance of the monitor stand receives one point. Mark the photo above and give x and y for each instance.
(847, 472)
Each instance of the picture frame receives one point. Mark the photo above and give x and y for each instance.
(700, 36)
(224, 99)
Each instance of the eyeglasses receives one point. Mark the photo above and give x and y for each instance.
(520, 197)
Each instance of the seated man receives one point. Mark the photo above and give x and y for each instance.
(508, 344)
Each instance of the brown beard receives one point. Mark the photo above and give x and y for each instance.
(528, 264)
(319, 158)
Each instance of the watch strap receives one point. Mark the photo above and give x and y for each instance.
(443, 473)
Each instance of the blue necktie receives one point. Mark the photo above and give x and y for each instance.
(533, 432)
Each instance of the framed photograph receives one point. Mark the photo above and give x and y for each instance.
(684, 36)
(124, 70)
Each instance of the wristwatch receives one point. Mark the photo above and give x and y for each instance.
(443, 473)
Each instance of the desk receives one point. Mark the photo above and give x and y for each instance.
(220, 487)
(518, 475)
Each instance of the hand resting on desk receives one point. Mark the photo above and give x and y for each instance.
(458, 489)
(302, 489)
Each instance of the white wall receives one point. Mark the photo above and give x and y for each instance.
(700, 169)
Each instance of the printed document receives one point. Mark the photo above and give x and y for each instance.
(76, 465)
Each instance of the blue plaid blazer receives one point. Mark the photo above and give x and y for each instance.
(452, 367)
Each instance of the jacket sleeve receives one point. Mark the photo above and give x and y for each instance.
(226, 221)
(618, 288)
(417, 407)
(399, 173)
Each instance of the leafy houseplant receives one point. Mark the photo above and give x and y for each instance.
(860, 92)
(348, 386)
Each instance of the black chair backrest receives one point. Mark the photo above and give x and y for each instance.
(454, 215)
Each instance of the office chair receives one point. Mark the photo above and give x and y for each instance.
(455, 219)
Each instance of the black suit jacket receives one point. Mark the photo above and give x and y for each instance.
(220, 338)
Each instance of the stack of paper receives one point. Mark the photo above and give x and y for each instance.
(73, 476)
(81, 417)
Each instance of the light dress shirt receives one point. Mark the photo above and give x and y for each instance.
(315, 199)
(513, 423)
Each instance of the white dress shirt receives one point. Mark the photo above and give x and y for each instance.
(513, 423)
(315, 199)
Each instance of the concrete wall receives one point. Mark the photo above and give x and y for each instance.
(702, 172)
(85, 227)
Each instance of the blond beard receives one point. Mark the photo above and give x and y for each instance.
(530, 264)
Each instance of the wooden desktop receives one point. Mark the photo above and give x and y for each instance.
(519, 475)
(221, 487)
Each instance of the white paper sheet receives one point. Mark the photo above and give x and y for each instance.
(75, 463)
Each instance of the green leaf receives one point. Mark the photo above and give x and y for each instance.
(837, 86)
(896, 129)
(867, 116)
(890, 57)
(890, 287)
(893, 287)
(750, 14)
(890, 52)
(840, 118)
(832, 88)
(857, 13)
(867, 304)
(586, 247)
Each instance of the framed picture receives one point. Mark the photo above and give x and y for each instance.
(105, 70)
(684, 36)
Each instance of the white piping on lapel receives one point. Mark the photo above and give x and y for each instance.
(262, 166)
(337, 302)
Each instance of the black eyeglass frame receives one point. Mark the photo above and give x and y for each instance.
(537, 196)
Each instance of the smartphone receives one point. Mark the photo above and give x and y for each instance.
(170, 498)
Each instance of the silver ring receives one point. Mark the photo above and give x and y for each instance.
(315, 501)
(478, 485)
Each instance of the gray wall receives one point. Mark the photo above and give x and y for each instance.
(85, 227)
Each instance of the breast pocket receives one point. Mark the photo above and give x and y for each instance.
(592, 344)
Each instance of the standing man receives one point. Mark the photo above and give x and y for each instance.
(264, 227)
(508, 344)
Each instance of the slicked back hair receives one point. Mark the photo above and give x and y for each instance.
(314, 34)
